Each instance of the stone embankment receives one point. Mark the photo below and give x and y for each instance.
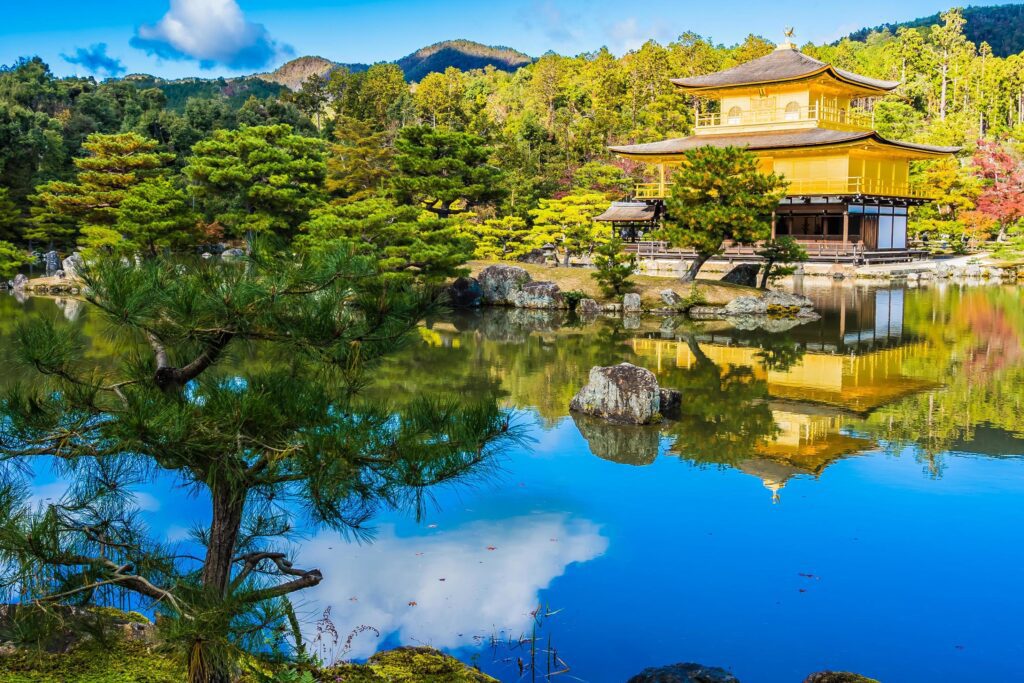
(513, 286)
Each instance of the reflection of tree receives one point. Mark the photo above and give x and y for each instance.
(780, 354)
(724, 413)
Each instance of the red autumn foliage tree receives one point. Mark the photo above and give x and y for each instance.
(1002, 195)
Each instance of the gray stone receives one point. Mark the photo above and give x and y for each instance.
(973, 271)
(587, 308)
(746, 305)
(465, 292)
(787, 300)
(838, 677)
(51, 260)
(631, 302)
(625, 444)
(620, 393)
(671, 401)
(499, 283)
(60, 275)
(539, 295)
(20, 282)
(684, 673)
(73, 265)
(611, 308)
(206, 256)
(231, 254)
(631, 321)
(536, 257)
(672, 299)
(744, 274)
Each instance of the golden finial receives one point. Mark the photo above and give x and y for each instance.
(788, 43)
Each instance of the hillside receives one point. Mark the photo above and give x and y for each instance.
(1001, 26)
(462, 54)
(292, 74)
(235, 90)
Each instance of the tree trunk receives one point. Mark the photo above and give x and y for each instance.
(691, 273)
(767, 271)
(228, 507)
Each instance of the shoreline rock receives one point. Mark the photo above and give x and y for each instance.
(622, 393)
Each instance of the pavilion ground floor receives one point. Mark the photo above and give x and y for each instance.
(840, 229)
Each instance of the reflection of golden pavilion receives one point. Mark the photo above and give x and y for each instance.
(810, 402)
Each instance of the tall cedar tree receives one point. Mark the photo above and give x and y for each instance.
(719, 195)
(360, 160)
(10, 216)
(157, 215)
(258, 180)
(404, 239)
(113, 165)
(265, 446)
(444, 171)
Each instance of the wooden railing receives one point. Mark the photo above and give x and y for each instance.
(816, 186)
(843, 116)
(818, 250)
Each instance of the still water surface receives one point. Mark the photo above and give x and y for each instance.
(845, 494)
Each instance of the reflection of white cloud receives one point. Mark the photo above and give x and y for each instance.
(146, 502)
(483, 590)
(47, 494)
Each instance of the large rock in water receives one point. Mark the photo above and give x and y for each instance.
(746, 305)
(744, 274)
(631, 303)
(539, 295)
(625, 444)
(499, 283)
(588, 308)
(20, 282)
(620, 393)
(838, 677)
(684, 673)
(465, 292)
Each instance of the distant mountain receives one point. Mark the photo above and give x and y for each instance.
(462, 54)
(292, 74)
(1001, 26)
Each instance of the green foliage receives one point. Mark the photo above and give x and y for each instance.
(569, 223)
(779, 254)
(293, 429)
(12, 259)
(156, 215)
(264, 179)
(505, 238)
(614, 266)
(605, 178)
(403, 239)
(719, 195)
(444, 171)
(93, 662)
(359, 162)
(573, 297)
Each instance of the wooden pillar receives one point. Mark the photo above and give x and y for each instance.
(846, 225)
(773, 225)
(661, 179)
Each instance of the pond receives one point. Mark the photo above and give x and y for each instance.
(845, 494)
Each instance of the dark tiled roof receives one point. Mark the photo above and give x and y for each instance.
(784, 64)
(628, 212)
(810, 137)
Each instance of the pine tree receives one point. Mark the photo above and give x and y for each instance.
(614, 266)
(360, 160)
(157, 215)
(263, 179)
(10, 217)
(12, 259)
(444, 171)
(719, 195)
(507, 238)
(568, 223)
(267, 445)
(778, 254)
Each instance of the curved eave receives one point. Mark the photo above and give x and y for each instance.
(650, 150)
(843, 77)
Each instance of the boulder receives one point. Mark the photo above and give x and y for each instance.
(499, 283)
(787, 300)
(744, 274)
(539, 295)
(20, 282)
(838, 677)
(631, 303)
(706, 313)
(465, 292)
(684, 673)
(72, 265)
(746, 305)
(206, 256)
(631, 321)
(620, 393)
(231, 254)
(537, 257)
(587, 308)
(672, 299)
(51, 260)
(671, 402)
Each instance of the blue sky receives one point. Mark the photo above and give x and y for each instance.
(175, 38)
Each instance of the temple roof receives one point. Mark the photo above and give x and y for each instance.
(628, 212)
(784, 64)
(808, 137)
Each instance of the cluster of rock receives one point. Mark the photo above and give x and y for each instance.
(757, 311)
(698, 673)
(627, 394)
(506, 285)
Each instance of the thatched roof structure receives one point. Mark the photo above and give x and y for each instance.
(628, 212)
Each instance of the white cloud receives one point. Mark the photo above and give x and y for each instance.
(482, 590)
(213, 32)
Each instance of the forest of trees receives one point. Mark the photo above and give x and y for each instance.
(488, 154)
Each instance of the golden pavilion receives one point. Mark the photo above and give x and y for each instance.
(849, 188)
